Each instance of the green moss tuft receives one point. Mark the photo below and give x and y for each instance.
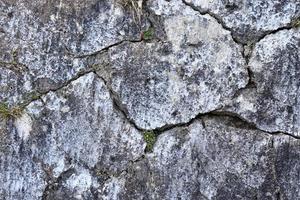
(148, 34)
(150, 139)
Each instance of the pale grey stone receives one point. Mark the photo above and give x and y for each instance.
(74, 126)
(272, 104)
(42, 40)
(225, 159)
(249, 20)
(94, 76)
(197, 69)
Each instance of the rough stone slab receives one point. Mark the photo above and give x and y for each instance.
(20, 177)
(42, 37)
(223, 160)
(273, 104)
(250, 19)
(75, 128)
(80, 139)
(195, 70)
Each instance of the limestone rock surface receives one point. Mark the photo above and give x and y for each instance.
(249, 20)
(156, 99)
(195, 70)
(42, 42)
(216, 158)
(72, 134)
(273, 101)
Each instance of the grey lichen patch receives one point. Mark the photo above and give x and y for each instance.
(150, 139)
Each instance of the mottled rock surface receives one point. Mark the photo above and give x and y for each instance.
(41, 42)
(273, 103)
(249, 20)
(156, 99)
(195, 70)
(216, 158)
(74, 132)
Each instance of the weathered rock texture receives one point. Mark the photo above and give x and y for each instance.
(156, 99)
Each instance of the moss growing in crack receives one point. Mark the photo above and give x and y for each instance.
(6, 112)
(150, 139)
(148, 34)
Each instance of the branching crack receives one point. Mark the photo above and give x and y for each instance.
(217, 18)
(267, 33)
(250, 124)
(289, 26)
(218, 113)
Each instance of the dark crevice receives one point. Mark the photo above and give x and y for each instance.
(122, 109)
(66, 83)
(106, 48)
(88, 70)
(250, 85)
(183, 124)
(267, 33)
(117, 103)
(217, 113)
(250, 124)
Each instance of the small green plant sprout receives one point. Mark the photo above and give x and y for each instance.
(148, 34)
(150, 138)
(6, 112)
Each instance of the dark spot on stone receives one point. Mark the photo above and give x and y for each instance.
(175, 113)
(10, 14)
(231, 7)
(44, 84)
(166, 49)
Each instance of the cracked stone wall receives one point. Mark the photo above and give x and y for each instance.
(149, 99)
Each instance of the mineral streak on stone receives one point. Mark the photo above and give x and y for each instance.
(273, 104)
(249, 20)
(83, 83)
(195, 70)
